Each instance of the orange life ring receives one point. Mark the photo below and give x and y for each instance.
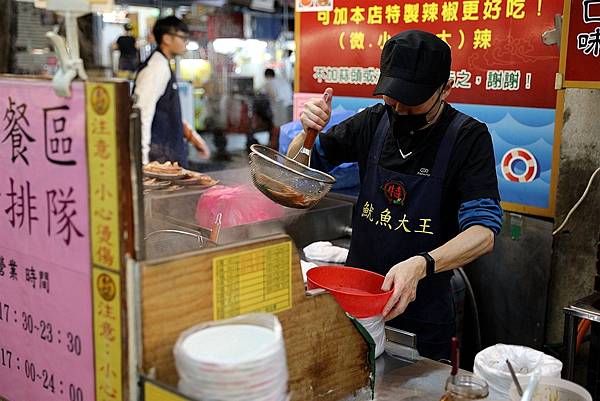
(526, 157)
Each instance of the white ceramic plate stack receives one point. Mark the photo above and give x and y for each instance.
(241, 359)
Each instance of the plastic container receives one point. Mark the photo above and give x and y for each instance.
(490, 365)
(552, 389)
(463, 387)
(357, 291)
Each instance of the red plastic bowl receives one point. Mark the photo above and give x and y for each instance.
(357, 291)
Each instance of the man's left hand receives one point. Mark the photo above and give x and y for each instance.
(403, 278)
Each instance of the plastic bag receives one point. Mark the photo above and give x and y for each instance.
(306, 266)
(239, 205)
(375, 325)
(490, 365)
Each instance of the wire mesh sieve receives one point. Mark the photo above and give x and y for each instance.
(287, 181)
(163, 243)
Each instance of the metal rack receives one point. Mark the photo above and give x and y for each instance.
(586, 308)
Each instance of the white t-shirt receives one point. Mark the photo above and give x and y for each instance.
(279, 90)
(150, 84)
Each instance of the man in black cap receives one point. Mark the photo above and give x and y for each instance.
(429, 199)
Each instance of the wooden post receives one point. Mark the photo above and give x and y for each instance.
(8, 34)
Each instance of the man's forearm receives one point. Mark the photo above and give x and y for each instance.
(467, 246)
(190, 135)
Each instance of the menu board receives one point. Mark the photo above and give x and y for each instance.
(497, 53)
(253, 281)
(46, 350)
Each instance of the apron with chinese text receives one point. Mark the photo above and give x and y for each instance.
(397, 216)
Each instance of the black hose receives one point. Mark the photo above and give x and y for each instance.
(475, 310)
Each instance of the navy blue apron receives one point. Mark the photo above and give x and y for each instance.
(398, 215)
(167, 142)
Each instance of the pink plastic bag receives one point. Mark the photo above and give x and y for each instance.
(239, 205)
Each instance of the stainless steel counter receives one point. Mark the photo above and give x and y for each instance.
(423, 380)
(329, 220)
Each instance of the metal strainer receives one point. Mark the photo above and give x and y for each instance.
(286, 181)
(162, 243)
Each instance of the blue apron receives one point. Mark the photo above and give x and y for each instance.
(398, 215)
(167, 142)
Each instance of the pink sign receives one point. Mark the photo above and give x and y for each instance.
(299, 100)
(46, 350)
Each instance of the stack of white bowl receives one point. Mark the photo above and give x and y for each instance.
(242, 359)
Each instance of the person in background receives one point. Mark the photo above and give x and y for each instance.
(288, 63)
(428, 199)
(164, 133)
(281, 97)
(125, 44)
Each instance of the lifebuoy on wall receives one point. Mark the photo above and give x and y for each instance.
(526, 157)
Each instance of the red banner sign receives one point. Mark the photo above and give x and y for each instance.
(583, 42)
(498, 54)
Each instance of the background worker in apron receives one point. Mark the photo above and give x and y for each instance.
(429, 199)
(156, 94)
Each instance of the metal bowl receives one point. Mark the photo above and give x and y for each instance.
(286, 181)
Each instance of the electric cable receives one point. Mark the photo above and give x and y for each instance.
(474, 307)
(578, 202)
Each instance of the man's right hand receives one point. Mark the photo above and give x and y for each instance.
(316, 112)
(195, 139)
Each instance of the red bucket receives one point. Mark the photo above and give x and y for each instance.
(357, 291)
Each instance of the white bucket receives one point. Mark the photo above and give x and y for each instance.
(490, 365)
(552, 389)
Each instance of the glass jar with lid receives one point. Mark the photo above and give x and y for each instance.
(464, 387)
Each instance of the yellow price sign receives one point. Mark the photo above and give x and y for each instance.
(259, 280)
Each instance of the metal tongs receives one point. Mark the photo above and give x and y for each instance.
(514, 377)
(526, 395)
(532, 385)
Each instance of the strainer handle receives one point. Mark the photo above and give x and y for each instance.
(311, 136)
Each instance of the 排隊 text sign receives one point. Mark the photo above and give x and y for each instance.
(498, 55)
(46, 348)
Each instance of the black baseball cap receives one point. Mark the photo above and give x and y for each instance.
(414, 64)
